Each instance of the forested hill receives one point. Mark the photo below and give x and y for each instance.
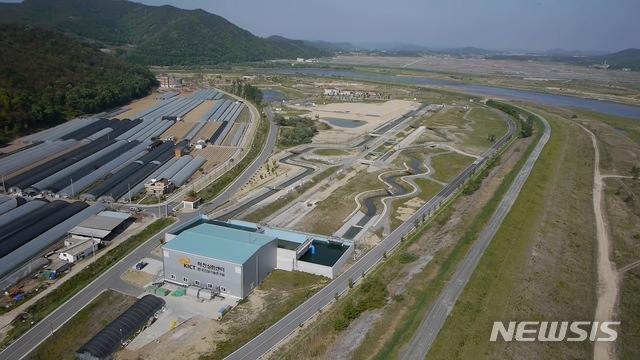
(156, 35)
(47, 77)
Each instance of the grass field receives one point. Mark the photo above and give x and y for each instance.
(326, 218)
(427, 188)
(448, 117)
(83, 326)
(285, 291)
(623, 220)
(486, 122)
(269, 209)
(448, 166)
(331, 152)
(539, 263)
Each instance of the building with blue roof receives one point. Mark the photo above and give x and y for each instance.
(229, 261)
(232, 258)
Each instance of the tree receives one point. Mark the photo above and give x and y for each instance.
(491, 138)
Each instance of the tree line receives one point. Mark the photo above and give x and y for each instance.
(47, 78)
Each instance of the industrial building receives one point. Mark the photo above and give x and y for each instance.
(232, 258)
(230, 261)
(100, 226)
(78, 251)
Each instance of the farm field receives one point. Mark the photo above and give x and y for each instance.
(194, 115)
(180, 129)
(207, 131)
(214, 154)
(230, 135)
(139, 106)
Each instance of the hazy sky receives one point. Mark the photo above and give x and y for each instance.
(608, 25)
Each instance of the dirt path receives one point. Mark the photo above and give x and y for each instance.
(607, 274)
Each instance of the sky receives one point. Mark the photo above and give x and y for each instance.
(538, 25)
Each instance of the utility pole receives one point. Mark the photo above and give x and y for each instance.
(93, 249)
(4, 189)
(72, 193)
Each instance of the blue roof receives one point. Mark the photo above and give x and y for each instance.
(286, 235)
(227, 244)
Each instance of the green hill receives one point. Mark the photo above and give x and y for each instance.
(156, 35)
(47, 77)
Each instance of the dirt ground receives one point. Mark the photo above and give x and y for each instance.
(283, 171)
(138, 278)
(180, 129)
(194, 115)
(373, 114)
(139, 106)
(188, 341)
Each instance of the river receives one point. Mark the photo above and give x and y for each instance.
(604, 107)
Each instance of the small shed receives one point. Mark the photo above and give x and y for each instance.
(191, 203)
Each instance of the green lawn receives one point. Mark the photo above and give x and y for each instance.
(486, 122)
(331, 152)
(448, 166)
(448, 117)
(285, 290)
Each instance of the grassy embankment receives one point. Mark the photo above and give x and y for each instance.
(275, 206)
(285, 291)
(70, 287)
(619, 145)
(83, 326)
(411, 299)
(447, 166)
(540, 261)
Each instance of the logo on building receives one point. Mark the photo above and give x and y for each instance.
(555, 331)
(186, 262)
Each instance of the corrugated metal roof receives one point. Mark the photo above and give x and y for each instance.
(89, 232)
(101, 224)
(227, 244)
(115, 215)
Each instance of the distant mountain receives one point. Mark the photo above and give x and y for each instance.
(629, 55)
(336, 46)
(156, 35)
(577, 53)
(46, 78)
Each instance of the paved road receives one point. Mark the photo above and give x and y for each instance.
(111, 278)
(269, 338)
(432, 324)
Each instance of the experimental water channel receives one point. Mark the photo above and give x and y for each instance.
(370, 202)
